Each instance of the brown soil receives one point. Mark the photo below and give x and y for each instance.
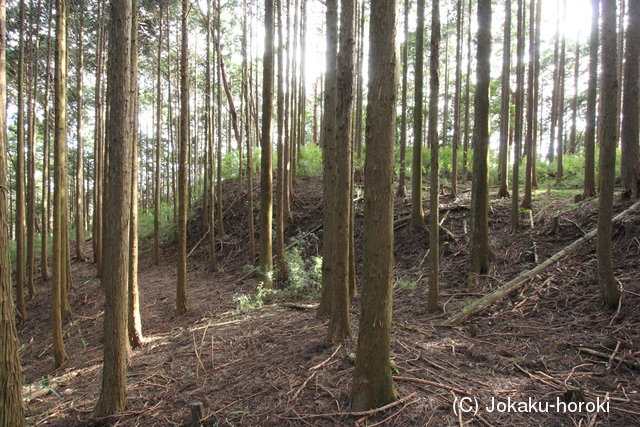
(272, 366)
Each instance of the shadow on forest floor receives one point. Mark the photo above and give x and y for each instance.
(272, 367)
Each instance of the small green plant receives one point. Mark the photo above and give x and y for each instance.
(305, 276)
(405, 285)
(248, 302)
(310, 161)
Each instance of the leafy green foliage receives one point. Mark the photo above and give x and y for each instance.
(310, 162)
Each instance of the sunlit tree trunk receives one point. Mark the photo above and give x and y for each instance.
(417, 213)
(531, 108)
(266, 181)
(372, 377)
(456, 101)
(20, 232)
(481, 254)
(80, 252)
(592, 92)
(574, 101)
(505, 94)
(158, 152)
(434, 193)
(134, 320)
(183, 164)
(630, 164)
(11, 406)
(281, 129)
(467, 97)
(59, 282)
(99, 143)
(606, 279)
(519, 120)
(555, 91)
(560, 105)
(401, 192)
(113, 393)
(329, 135)
(46, 143)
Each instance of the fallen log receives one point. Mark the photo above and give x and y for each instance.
(504, 290)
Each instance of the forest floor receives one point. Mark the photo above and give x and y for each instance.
(271, 366)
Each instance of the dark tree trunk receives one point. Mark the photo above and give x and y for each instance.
(417, 213)
(505, 112)
(630, 161)
(592, 92)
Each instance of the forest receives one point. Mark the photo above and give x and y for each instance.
(325, 213)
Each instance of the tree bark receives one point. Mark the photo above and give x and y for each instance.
(266, 181)
(11, 407)
(519, 119)
(481, 253)
(183, 165)
(630, 158)
(80, 252)
(372, 378)
(417, 213)
(456, 101)
(505, 112)
(402, 191)
(434, 192)
(592, 92)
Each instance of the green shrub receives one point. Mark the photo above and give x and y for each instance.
(310, 161)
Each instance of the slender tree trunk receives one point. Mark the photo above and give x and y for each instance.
(505, 112)
(630, 161)
(372, 378)
(606, 279)
(434, 193)
(59, 282)
(456, 101)
(280, 183)
(337, 234)
(266, 181)
(117, 212)
(11, 407)
(45, 206)
(246, 76)
(417, 213)
(183, 164)
(467, 97)
(481, 253)
(20, 174)
(574, 102)
(80, 252)
(560, 105)
(519, 112)
(31, 156)
(99, 144)
(592, 91)
(213, 262)
(555, 91)
(156, 187)
(329, 135)
(402, 192)
(134, 321)
(221, 232)
(531, 109)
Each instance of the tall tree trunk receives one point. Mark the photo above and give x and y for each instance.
(113, 394)
(574, 102)
(156, 187)
(31, 153)
(246, 77)
(531, 109)
(183, 164)
(467, 97)
(20, 174)
(221, 232)
(630, 161)
(329, 135)
(213, 262)
(11, 407)
(505, 94)
(80, 252)
(266, 179)
(560, 105)
(46, 180)
(555, 91)
(456, 101)
(338, 152)
(606, 279)
(519, 119)
(417, 213)
(481, 252)
(99, 143)
(402, 192)
(134, 318)
(280, 183)
(592, 91)
(434, 193)
(372, 378)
